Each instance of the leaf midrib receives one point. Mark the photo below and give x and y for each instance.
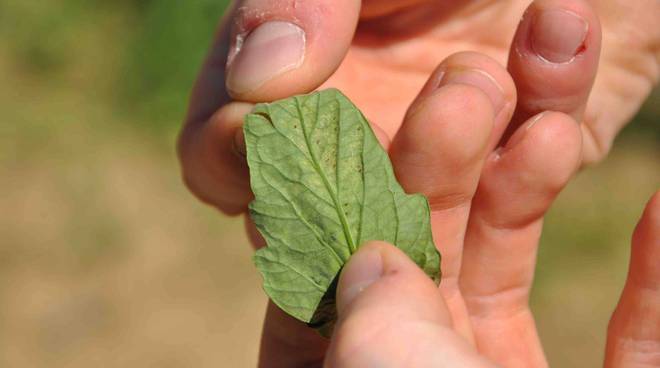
(317, 167)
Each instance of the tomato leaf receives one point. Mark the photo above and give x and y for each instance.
(323, 185)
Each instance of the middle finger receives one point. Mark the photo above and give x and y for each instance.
(440, 149)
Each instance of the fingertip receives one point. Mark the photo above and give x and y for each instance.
(363, 269)
(372, 261)
(268, 51)
(561, 133)
(224, 131)
(450, 126)
(652, 211)
(552, 140)
(554, 57)
(378, 271)
(502, 89)
(279, 50)
(375, 245)
(558, 32)
(212, 166)
(476, 69)
(522, 178)
(397, 296)
(454, 95)
(646, 238)
(631, 331)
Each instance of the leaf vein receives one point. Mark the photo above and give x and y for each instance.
(296, 210)
(340, 214)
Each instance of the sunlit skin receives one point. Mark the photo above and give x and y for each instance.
(490, 149)
(399, 65)
(400, 321)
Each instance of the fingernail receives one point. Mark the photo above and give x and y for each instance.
(363, 269)
(558, 36)
(268, 51)
(477, 78)
(536, 119)
(519, 135)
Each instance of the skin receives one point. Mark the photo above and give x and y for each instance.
(398, 319)
(490, 150)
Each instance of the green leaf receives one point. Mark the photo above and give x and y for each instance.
(323, 185)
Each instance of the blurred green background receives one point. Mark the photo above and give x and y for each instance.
(106, 259)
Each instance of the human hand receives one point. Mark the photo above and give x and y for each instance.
(441, 149)
(390, 313)
(486, 215)
(383, 64)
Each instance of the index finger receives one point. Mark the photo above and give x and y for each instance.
(273, 49)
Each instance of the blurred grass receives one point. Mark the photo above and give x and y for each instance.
(106, 259)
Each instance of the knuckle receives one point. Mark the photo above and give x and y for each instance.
(502, 303)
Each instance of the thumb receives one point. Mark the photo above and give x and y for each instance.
(282, 47)
(380, 272)
(392, 315)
